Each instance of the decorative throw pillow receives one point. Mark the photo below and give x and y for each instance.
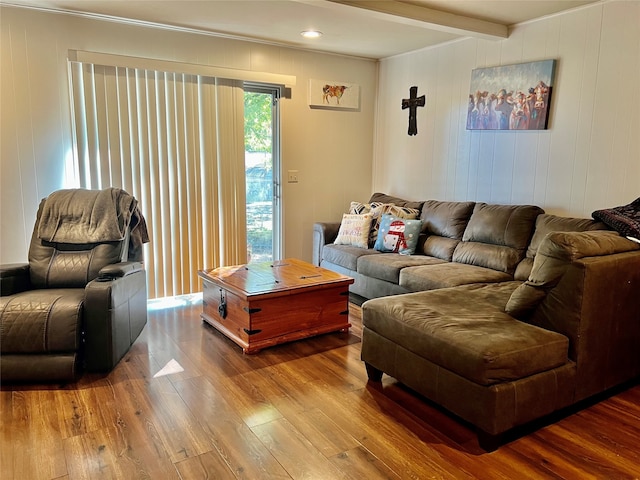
(398, 235)
(389, 209)
(375, 209)
(358, 208)
(624, 219)
(400, 212)
(354, 230)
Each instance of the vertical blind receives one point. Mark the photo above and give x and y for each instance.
(176, 142)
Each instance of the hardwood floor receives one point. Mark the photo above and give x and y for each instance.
(302, 410)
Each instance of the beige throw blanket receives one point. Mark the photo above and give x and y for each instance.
(91, 216)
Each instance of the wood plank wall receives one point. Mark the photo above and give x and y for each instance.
(588, 159)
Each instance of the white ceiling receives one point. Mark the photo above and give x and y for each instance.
(364, 28)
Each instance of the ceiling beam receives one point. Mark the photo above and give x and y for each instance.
(415, 15)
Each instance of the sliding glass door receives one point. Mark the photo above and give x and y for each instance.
(262, 167)
(174, 141)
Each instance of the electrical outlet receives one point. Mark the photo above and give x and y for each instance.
(292, 176)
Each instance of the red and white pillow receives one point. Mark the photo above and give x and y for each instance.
(377, 209)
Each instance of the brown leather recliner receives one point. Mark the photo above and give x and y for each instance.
(74, 306)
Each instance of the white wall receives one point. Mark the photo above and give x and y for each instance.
(332, 150)
(588, 159)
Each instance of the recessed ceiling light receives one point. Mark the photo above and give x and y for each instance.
(311, 34)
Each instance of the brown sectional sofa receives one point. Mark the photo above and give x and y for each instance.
(461, 243)
(504, 314)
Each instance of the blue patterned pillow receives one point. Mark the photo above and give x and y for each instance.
(398, 235)
(377, 209)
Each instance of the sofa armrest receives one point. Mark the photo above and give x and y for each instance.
(118, 270)
(115, 313)
(595, 305)
(14, 278)
(323, 233)
(557, 252)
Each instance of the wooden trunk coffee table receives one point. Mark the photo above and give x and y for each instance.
(263, 304)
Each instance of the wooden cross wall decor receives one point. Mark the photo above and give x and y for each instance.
(412, 103)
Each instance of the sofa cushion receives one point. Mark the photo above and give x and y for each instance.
(464, 330)
(345, 255)
(555, 254)
(354, 230)
(448, 274)
(435, 246)
(497, 236)
(42, 321)
(401, 202)
(444, 223)
(546, 224)
(446, 219)
(387, 266)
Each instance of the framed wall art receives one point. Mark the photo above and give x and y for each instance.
(334, 95)
(511, 97)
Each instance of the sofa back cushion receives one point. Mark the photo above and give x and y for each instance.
(401, 202)
(444, 224)
(497, 236)
(546, 224)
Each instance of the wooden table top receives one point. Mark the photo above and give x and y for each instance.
(279, 277)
